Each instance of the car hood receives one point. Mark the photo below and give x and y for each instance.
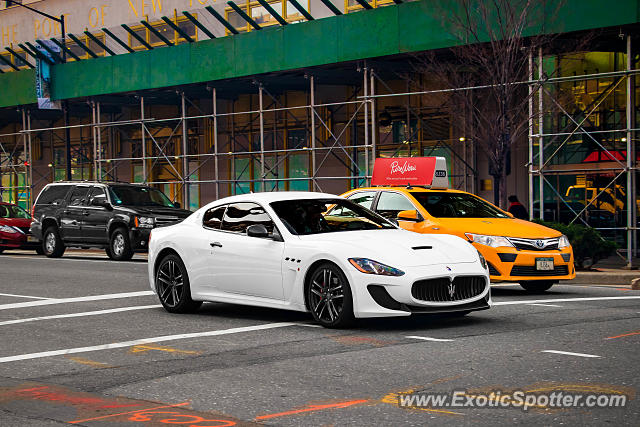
(397, 248)
(157, 211)
(509, 227)
(16, 222)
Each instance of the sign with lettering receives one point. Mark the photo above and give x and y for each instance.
(413, 171)
(43, 77)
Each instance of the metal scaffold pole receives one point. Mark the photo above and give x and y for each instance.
(99, 130)
(185, 152)
(29, 160)
(365, 85)
(313, 132)
(214, 100)
(373, 116)
(143, 141)
(94, 138)
(530, 138)
(540, 137)
(631, 203)
(262, 177)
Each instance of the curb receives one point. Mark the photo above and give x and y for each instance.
(607, 278)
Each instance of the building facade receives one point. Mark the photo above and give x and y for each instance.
(205, 99)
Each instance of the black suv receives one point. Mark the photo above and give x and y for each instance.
(115, 216)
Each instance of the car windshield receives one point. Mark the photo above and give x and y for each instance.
(314, 216)
(13, 211)
(456, 205)
(129, 195)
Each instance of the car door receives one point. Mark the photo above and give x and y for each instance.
(202, 254)
(96, 218)
(244, 265)
(73, 214)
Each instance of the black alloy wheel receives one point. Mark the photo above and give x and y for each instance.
(536, 286)
(329, 297)
(172, 286)
(52, 244)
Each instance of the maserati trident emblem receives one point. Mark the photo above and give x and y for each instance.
(539, 244)
(452, 289)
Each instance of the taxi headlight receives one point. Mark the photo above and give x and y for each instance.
(563, 242)
(369, 266)
(8, 229)
(493, 241)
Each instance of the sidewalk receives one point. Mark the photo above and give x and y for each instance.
(604, 276)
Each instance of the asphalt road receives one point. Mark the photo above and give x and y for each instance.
(83, 341)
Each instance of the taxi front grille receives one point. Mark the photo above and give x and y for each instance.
(534, 244)
(444, 290)
(530, 270)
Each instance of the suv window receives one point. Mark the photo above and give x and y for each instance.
(363, 198)
(239, 216)
(96, 193)
(389, 204)
(78, 195)
(51, 193)
(213, 217)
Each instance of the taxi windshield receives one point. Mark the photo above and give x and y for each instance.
(13, 211)
(314, 216)
(456, 205)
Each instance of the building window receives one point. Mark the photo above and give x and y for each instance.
(163, 28)
(14, 60)
(263, 18)
(354, 6)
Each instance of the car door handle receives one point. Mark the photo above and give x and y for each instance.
(87, 213)
(216, 245)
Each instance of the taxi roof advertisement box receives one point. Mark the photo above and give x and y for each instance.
(419, 171)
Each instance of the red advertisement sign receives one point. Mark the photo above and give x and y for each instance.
(415, 171)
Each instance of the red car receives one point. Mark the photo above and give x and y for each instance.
(14, 229)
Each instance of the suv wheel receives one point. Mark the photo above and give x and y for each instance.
(119, 245)
(52, 244)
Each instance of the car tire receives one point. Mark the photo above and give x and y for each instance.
(328, 296)
(39, 250)
(119, 245)
(52, 244)
(537, 286)
(1, 250)
(172, 286)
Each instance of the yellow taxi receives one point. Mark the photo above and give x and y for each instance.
(516, 250)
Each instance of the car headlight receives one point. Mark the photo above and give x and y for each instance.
(145, 222)
(493, 241)
(369, 266)
(483, 262)
(563, 242)
(8, 229)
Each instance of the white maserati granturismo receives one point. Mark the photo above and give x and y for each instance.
(312, 252)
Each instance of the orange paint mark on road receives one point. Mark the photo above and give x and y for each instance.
(127, 413)
(84, 361)
(358, 340)
(312, 408)
(624, 335)
(40, 393)
(148, 347)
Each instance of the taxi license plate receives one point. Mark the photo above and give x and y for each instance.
(544, 264)
(31, 239)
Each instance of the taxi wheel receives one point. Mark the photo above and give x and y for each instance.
(536, 286)
(172, 286)
(52, 244)
(329, 297)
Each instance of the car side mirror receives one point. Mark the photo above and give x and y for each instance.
(176, 205)
(257, 230)
(101, 202)
(412, 215)
(509, 214)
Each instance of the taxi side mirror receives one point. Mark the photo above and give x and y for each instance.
(412, 215)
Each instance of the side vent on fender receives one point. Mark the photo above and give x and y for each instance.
(417, 248)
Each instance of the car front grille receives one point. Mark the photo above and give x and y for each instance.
(534, 244)
(444, 290)
(530, 270)
(162, 221)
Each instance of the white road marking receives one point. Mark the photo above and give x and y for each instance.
(23, 296)
(543, 301)
(568, 353)
(544, 305)
(310, 325)
(143, 341)
(427, 338)
(75, 299)
(83, 314)
(94, 259)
